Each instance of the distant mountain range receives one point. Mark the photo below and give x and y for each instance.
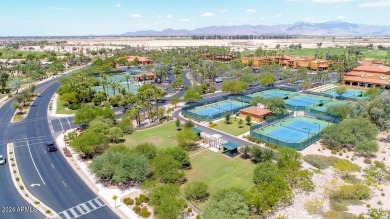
(332, 28)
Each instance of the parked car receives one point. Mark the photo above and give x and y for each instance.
(3, 160)
(51, 146)
(218, 79)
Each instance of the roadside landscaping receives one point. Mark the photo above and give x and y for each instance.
(62, 109)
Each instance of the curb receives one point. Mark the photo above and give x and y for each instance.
(81, 173)
(41, 207)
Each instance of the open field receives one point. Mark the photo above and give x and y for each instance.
(162, 136)
(232, 128)
(19, 54)
(220, 172)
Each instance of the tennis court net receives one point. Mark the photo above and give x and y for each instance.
(305, 130)
(302, 101)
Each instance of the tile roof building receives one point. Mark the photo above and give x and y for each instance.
(141, 60)
(257, 114)
(368, 75)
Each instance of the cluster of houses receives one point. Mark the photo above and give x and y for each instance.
(289, 62)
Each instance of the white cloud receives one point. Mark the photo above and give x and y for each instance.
(278, 16)
(341, 17)
(377, 3)
(330, 1)
(184, 20)
(58, 8)
(207, 14)
(118, 5)
(251, 10)
(223, 10)
(169, 16)
(135, 15)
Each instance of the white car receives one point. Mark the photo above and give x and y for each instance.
(2, 159)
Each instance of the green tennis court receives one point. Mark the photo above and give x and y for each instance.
(218, 109)
(272, 94)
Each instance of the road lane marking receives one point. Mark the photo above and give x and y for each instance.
(68, 123)
(61, 124)
(80, 209)
(66, 215)
(73, 212)
(64, 184)
(52, 166)
(83, 208)
(34, 163)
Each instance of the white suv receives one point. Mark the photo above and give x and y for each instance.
(2, 159)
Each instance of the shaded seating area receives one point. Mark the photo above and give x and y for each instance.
(197, 131)
(230, 149)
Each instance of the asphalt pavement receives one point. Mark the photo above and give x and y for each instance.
(48, 176)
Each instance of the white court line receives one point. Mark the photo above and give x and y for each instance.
(34, 163)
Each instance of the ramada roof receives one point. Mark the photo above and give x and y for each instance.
(257, 111)
(140, 58)
(140, 75)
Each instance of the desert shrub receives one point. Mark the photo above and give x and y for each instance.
(351, 192)
(367, 161)
(315, 206)
(145, 213)
(319, 161)
(128, 201)
(137, 209)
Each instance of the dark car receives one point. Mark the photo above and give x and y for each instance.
(3, 160)
(51, 146)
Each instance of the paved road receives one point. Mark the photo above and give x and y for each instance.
(9, 196)
(60, 187)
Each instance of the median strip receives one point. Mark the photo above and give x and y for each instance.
(22, 189)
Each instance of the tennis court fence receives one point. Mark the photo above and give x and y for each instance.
(186, 109)
(269, 122)
(290, 144)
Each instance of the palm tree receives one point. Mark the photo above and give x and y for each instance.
(158, 93)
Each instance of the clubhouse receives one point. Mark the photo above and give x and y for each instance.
(368, 75)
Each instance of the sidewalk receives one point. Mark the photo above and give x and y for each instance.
(82, 169)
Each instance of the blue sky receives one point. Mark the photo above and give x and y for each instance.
(84, 17)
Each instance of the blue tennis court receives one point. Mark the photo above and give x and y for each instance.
(349, 93)
(302, 101)
(271, 94)
(219, 108)
(296, 131)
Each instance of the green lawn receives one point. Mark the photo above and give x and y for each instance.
(232, 128)
(220, 172)
(162, 136)
(372, 54)
(61, 109)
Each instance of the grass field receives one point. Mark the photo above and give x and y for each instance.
(61, 109)
(15, 54)
(162, 136)
(232, 128)
(220, 172)
(371, 54)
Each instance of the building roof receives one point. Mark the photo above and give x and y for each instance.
(256, 111)
(366, 80)
(323, 66)
(373, 68)
(140, 58)
(140, 75)
(230, 145)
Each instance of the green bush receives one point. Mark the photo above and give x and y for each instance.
(48, 212)
(21, 187)
(367, 161)
(137, 209)
(128, 201)
(143, 198)
(37, 202)
(196, 191)
(17, 179)
(145, 213)
(351, 192)
(319, 161)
